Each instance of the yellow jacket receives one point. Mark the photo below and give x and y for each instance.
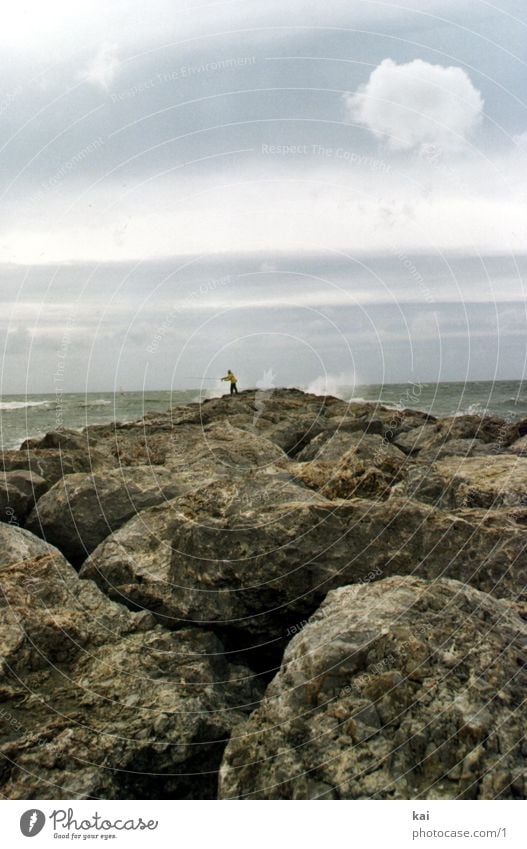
(232, 377)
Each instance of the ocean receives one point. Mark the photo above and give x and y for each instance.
(23, 416)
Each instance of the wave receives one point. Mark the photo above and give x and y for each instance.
(476, 409)
(100, 402)
(332, 384)
(518, 402)
(21, 405)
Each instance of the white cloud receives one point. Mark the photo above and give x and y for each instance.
(520, 140)
(417, 104)
(103, 69)
(177, 217)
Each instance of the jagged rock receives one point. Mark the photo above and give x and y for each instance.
(220, 448)
(399, 689)
(485, 429)
(476, 482)
(98, 702)
(17, 544)
(254, 565)
(333, 445)
(51, 465)
(454, 483)
(417, 438)
(519, 446)
(456, 448)
(80, 510)
(134, 565)
(18, 492)
(351, 479)
(265, 520)
(65, 439)
(369, 469)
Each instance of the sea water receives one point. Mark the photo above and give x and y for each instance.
(23, 416)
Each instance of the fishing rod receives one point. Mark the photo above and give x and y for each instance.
(202, 378)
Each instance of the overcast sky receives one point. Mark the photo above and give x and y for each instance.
(311, 188)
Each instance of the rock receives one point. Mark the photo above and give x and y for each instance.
(486, 429)
(18, 492)
(51, 465)
(17, 544)
(262, 504)
(98, 702)
(399, 689)
(80, 510)
(220, 448)
(519, 446)
(47, 612)
(456, 448)
(476, 482)
(64, 440)
(332, 445)
(369, 469)
(417, 438)
(254, 566)
(134, 565)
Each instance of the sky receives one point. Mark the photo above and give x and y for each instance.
(318, 190)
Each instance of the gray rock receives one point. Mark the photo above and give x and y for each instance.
(17, 544)
(370, 468)
(255, 565)
(80, 510)
(519, 446)
(417, 438)
(18, 492)
(52, 464)
(399, 689)
(455, 448)
(331, 446)
(98, 702)
(65, 439)
(135, 564)
(481, 482)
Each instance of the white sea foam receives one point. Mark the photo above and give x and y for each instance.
(338, 385)
(20, 405)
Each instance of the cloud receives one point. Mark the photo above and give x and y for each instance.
(103, 68)
(417, 104)
(520, 140)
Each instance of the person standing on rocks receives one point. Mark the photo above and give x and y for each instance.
(233, 381)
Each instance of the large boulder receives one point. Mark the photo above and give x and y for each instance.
(455, 483)
(17, 544)
(18, 492)
(135, 564)
(98, 702)
(255, 563)
(369, 468)
(457, 448)
(423, 436)
(65, 439)
(399, 689)
(480, 482)
(51, 464)
(80, 510)
(429, 436)
(332, 445)
(221, 448)
(519, 446)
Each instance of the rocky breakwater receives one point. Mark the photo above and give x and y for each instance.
(366, 565)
